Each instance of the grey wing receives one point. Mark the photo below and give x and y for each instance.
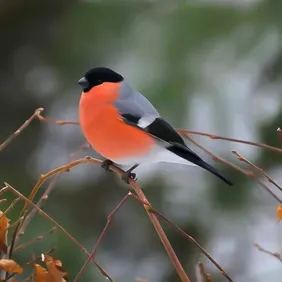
(134, 103)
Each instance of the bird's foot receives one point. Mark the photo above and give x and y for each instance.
(106, 165)
(127, 176)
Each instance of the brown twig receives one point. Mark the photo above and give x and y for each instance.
(215, 157)
(183, 132)
(205, 277)
(35, 189)
(36, 239)
(59, 122)
(213, 136)
(174, 259)
(185, 235)
(279, 132)
(141, 197)
(253, 176)
(241, 158)
(261, 249)
(32, 261)
(46, 193)
(59, 227)
(21, 128)
(3, 201)
(10, 207)
(34, 258)
(248, 173)
(102, 235)
(141, 280)
(136, 188)
(15, 223)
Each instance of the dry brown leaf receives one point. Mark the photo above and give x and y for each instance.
(55, 268)
(10, 266)
(4, 224)
(279, 212)
(41, 274)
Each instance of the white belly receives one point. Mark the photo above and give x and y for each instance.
(158, 154)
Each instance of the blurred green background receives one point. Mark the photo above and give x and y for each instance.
(212, 66)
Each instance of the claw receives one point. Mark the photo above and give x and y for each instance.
(106, 165)
(127, 176)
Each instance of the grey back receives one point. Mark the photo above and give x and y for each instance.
(134, 103)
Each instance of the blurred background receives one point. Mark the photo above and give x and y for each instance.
(211, 66)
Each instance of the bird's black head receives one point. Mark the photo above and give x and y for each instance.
(97, 76)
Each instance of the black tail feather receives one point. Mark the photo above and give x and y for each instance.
(212, 170)
(187, 154)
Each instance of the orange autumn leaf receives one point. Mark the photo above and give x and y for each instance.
(41, 274)
(55, 268)
(10, 266)
(4, 224)
(279, 212)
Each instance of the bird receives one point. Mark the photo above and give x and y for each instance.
(125, 128)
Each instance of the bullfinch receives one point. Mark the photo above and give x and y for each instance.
(126, 129)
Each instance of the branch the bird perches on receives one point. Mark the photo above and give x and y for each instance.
(27, 213)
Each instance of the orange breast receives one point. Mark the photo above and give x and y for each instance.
(108, 134)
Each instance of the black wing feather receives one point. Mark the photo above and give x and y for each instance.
(162, 130)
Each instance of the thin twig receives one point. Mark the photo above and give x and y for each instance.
(15, 223)
(10, 207)
(35, 189)
(253, 176)
(101, 237)
(241, 158)
(170, 251)
(213, 136)
(279, 132)
(21, 128)
(34, 259)
(216, 158)
(46, 193)
(36, 239)
(3, 201)
(63, 230)
(140, 194)
(187, 236)
(205, 277)
(183, 132)
(59, 122)
(248, 173)
(261, 249)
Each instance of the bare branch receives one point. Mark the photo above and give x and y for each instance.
(241, 158)
(46, 193)
(248, 173)
(204, 276)
(99, 242)
(279, 132)
(21, 128)
(253, 176)
(188, 237)
(136, 188)
(36, 239)
(185, 133)
(59, 227)
(275, 255)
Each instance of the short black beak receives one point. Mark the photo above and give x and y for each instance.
(83, 82)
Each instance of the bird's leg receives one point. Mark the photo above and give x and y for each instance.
(106, 165)
(129, 174)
